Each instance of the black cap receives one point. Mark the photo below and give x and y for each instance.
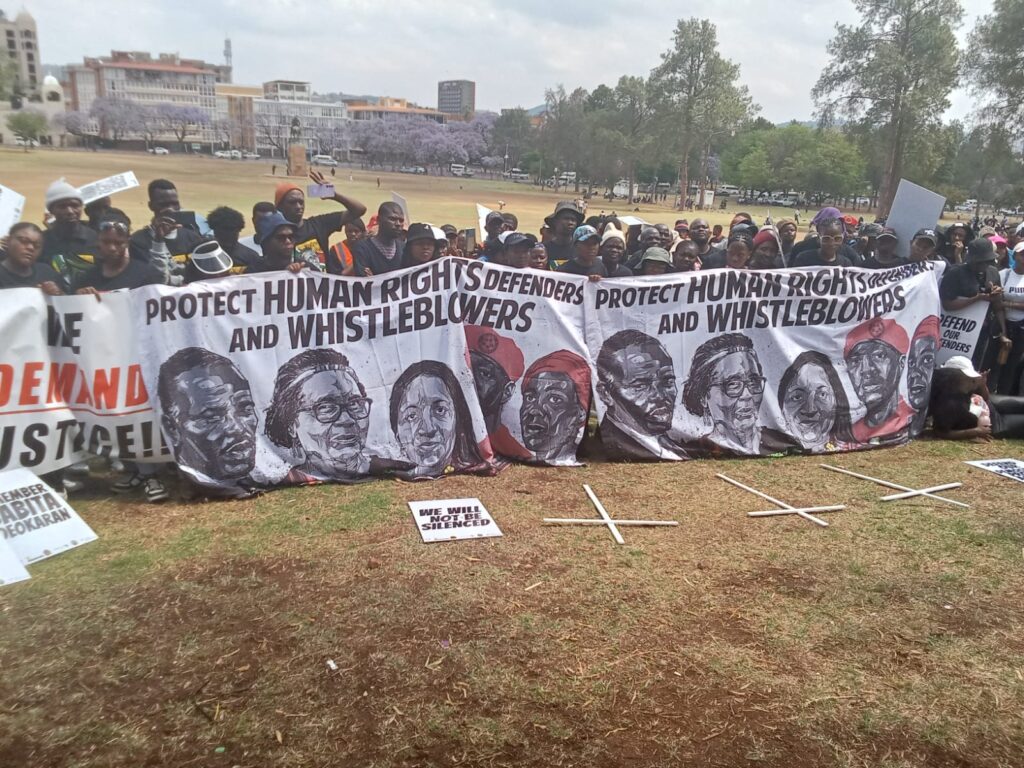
(419, 232)
(449, 229)
(980, 250)
(890, 232)
(927, 234)
(512, 239)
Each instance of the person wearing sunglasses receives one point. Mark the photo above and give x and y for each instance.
(320, 412)
(114, 269)
(831, 250)
(21, 267)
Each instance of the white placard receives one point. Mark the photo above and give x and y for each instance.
(632, 221)
(960, 330)
(11, 206)
(397, 198)
(913, 208)
(11, 569)
(482, 212)
(111, 185)
(35, 521)
(450, 519)
(1012, 469)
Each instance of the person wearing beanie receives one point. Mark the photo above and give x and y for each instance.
(787, 237)
(977, 280)
(613, 248)
(767, 250)
(313, 234)
(69, 246)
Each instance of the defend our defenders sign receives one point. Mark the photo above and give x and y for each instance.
(451, 519)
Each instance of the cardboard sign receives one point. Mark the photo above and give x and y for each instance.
(1011, 469)
(913, 208)
(37, 523)
(482, 212)
(11, 206)
(450, 519)
(960, 331)
(397, 198)
(11, 569)
(109, 186)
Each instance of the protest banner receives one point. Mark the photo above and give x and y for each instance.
(452, 519)
(961, 329)
(762, 362)
(11, 206)
(111, 185)
(914, 208)
(1011, 469)
(35, 521)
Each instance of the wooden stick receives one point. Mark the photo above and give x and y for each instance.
(784, 505)
(597, 521)
(773, 512)
(601, 511)
(910, 494)
(894, 486)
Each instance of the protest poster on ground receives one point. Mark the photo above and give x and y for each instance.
(111, 185)
(12, 570)
(747, 363)
(913, 208)
(1011, 469)
(299, 378)
(11, 206)
(453, 519)
(961, 329)
(35, 521)
(524, 332)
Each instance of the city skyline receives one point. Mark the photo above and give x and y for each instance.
(545, 46)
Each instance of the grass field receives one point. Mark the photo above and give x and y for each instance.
(199, 635)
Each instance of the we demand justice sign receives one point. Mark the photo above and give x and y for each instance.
(252, 382)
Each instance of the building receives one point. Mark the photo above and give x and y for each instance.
(287, 90)
(388, 108)
(22, 45)
(457, 97)
(49, 101)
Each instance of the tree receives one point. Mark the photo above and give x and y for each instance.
(28, 125)
(563, 136)
(895, 70)
(687, 86)
(996, 64)
(117, 118)
(273, 127)
(76, 123)
(621, 128)
(512, 135)
(182, 121)
(986, 165)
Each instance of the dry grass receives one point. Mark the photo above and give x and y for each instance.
(890, 639)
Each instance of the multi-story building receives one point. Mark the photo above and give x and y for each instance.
(287, 90)
(22, 45)
(388, 108)
(457, 97)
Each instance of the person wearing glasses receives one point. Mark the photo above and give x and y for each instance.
(831, 247)
(725, 388)
(114, 269)
(321, 413)
(876, 355)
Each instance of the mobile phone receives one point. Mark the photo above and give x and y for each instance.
(184, 218)
(320, 190)
(470, 241)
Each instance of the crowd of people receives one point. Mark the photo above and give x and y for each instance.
(92, 249)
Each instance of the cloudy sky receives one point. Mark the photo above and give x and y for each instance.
(513, 49)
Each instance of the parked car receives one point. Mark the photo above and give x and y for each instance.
(964, 208)
(23, 143)
(251, 155)
(160, 150)
(1011, 211)
(223, 154)
(324, 160)
(235, 154)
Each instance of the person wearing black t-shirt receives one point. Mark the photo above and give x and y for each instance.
(227, 224)
(381, 253)
(115, 270)
(962, 408)
(69, 246)
(882, 253)
(827, 254)
(613, 248)
(313, 234)
(586, 244)
(21, 268)
(978, 280)
(561, 224)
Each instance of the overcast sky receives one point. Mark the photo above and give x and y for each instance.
(513, 49)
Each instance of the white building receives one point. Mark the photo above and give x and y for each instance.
(22, 45)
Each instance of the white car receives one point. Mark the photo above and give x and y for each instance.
(160, 151)
(324, 160)
(223, 154)
(251, 155)
(23, 143)
(235, 154)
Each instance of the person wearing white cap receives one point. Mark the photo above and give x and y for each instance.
(962, 408)
(69, 246)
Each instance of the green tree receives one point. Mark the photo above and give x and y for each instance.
(895, 70)
(996, 64)
(688, 87)
(827, 166)
(27, 125)
(620, 129)
(563, 136)
(513, 135)
(986, 165)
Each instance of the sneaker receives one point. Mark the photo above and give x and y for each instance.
(155, 491)
(128, 483)
(116, 465)
(73, 486)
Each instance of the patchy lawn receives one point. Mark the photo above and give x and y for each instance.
(199, 635)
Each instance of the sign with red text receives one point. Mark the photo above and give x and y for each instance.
(451, 519)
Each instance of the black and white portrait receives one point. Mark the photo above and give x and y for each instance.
(875, 354)
(321, 413)
(497, 363)
(637, 384)
(920, 365)
(725, 388)
(556, 401)
(814, 403)
(208, 415)
(431, 420)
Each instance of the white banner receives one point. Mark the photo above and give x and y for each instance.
(37, 523)
(960, 331)
(11, 206)
(111, 185)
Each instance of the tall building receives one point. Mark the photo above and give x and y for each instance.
(22, 44)
(456, 97)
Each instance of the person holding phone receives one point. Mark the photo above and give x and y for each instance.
(977, 279)
(173, 233)
(313, 234)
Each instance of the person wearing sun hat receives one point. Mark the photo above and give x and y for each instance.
(313, 234)
(561, 224)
